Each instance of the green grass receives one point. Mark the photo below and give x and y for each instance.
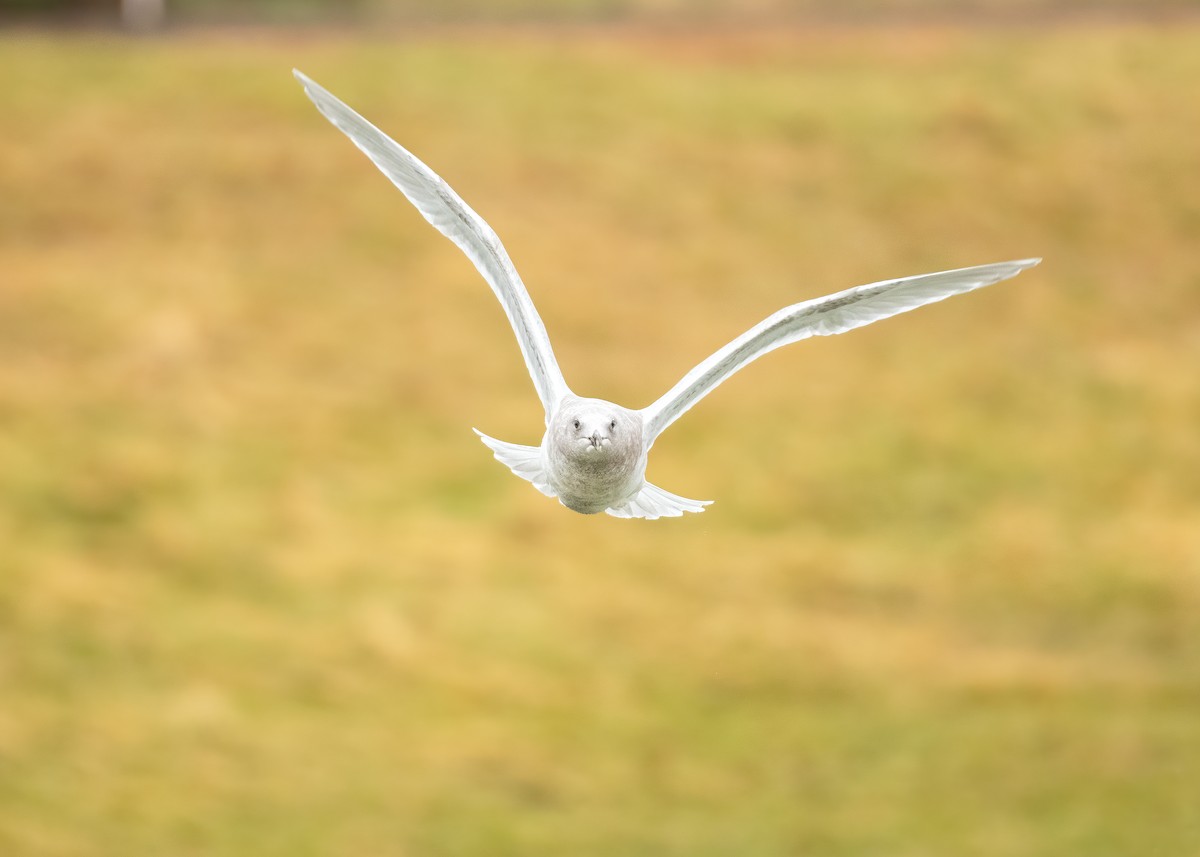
(262, 592)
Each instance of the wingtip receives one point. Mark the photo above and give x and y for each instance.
(307, 82)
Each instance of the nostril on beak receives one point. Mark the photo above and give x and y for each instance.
(595, 438)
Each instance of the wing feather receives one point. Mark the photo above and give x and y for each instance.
(825, 316)
(443, 208)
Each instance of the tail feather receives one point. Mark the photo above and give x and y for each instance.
(524, 461)
(653, 502)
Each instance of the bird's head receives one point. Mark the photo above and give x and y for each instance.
(595, 428)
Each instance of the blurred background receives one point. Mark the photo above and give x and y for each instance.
(262, 591)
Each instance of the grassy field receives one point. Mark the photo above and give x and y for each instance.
(262, 592)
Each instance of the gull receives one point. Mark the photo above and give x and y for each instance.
(593, 454)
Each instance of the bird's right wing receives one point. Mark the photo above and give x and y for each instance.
(825, 316)
(442, 207)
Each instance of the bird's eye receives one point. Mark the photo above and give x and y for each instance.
(613, 424)
(576, 425)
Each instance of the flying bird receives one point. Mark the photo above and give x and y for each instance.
(593, 454)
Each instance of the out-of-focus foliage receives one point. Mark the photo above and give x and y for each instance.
(263, 593)
(415, 11)
(58, 7)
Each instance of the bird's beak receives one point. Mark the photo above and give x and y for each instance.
(595, 438)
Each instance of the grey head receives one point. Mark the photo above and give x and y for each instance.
(595, 452)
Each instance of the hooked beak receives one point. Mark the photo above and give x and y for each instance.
(595, 439)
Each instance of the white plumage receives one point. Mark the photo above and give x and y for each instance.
(593, 453)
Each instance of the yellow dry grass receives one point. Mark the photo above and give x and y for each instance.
(263, 592)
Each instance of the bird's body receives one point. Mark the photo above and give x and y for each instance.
(593, 454)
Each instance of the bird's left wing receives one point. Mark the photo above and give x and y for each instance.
(825, 316)
(443, 208)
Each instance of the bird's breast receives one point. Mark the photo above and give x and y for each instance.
(590, 480)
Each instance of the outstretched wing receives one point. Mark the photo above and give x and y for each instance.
(825, 316)
(442, 207)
